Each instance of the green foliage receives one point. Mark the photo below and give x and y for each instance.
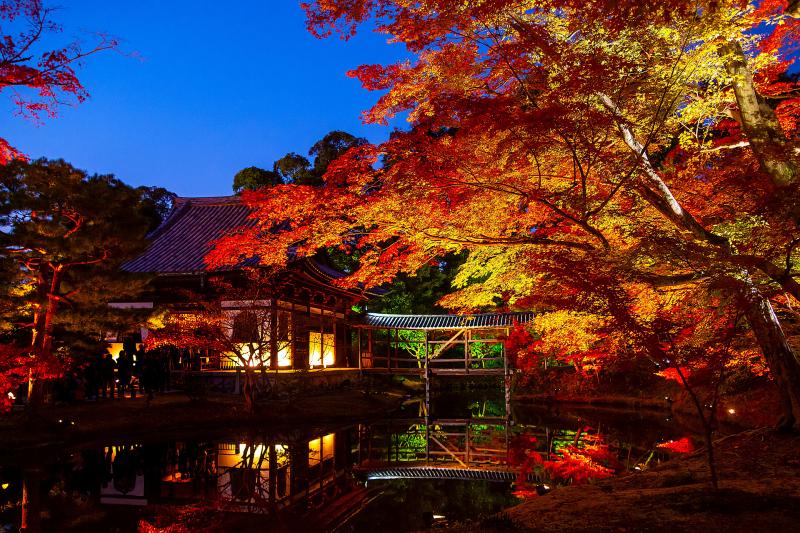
(252, 178)
(156, 203)
(65, 236)
(297, 169)
(330, 147)
(420, 292)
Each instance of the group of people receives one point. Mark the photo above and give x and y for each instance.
(105, 377)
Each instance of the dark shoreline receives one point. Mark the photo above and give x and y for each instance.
(175, 414)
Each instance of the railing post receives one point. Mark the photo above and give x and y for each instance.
(467, 442)
(466, 351)
(358, 351)
(427, 370)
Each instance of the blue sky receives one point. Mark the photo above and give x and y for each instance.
(215, 88)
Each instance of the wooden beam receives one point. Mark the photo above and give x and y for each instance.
(447, 344)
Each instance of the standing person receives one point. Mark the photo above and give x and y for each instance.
(141, 362)
(163, 370)
(92, 377)
(107, 366)
(150, 375)
(124, 369)
(174, 363)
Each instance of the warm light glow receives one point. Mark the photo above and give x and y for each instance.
(284, 355)
(12, 396)
(114, 348)
(320, 449)
(321, 349)
(731, 411)
(250, 357)
(237, 455)
(4, 486)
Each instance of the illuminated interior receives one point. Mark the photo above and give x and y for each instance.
(320, 449)
(236, 460)
(321, 349)
(284, 355)
(238, 455)
(114, 348)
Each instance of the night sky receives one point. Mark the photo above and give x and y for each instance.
(201, 89)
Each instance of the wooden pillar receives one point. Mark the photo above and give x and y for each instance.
(427, 439)
(298, 473)
(397, 348)
(506, 379)
(358, 349)
(321, 337)
(466, 350)
(336, 354)
(273, 475)
(466, 433)
(273, 334)
(371, 348)
(389, 349)
(427, 371)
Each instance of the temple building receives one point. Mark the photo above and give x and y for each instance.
(297, 318)
(298, 313)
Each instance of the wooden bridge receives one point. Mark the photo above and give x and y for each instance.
(443, 345)
(428, 448)
(436, 344)
(436, 448)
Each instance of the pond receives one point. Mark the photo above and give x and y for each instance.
(458, 459)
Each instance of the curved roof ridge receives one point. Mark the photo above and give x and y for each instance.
(181, 243)
(453, 314)
(209, 200)
(431, 322)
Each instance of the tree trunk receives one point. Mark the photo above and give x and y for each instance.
(758, 120)
(31, 521)
(249, 390)
(781, 359)
(42, 340)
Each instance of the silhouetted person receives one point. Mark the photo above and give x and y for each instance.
(92, 377)
(163, 370)
(139, 367)
(150, 375)
(107, 375)
(124, 372)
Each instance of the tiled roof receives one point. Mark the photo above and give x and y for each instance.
(181, 243)
(486, 320)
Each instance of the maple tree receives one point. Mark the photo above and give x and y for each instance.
(585, 162)
(248, 335)
(587, 458)
(38, 79)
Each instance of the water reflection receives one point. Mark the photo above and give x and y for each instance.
(318, 479)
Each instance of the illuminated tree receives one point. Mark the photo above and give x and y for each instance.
(65, 235)
(238, 325)
(36, 78)
(584, 161)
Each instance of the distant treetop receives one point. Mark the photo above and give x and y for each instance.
(297, 169)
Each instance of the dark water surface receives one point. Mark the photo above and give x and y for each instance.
(458, 460)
